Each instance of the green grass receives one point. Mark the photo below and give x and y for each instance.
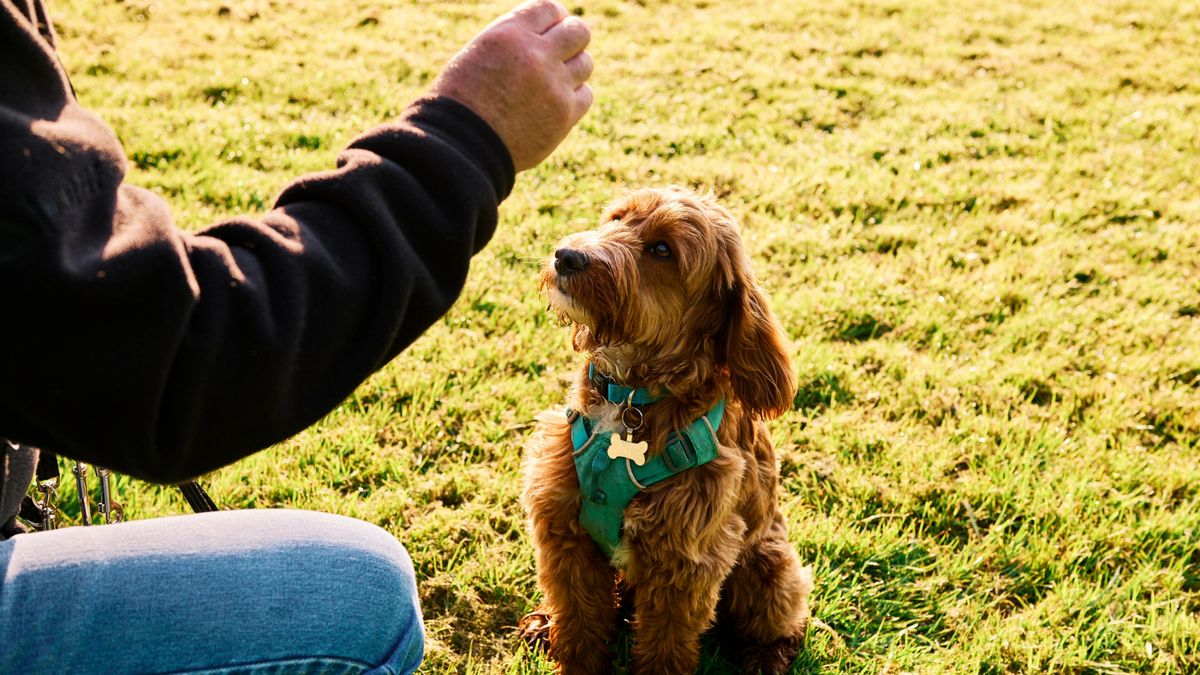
(980, 224)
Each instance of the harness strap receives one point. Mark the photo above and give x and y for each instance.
(607, 486)
(689, 447)
(197, 498)
(581, 430)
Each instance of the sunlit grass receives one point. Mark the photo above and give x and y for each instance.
(979, 222)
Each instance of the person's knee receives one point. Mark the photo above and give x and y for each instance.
(397, 580)
(374, 574)
(265, 586)
(375, 549)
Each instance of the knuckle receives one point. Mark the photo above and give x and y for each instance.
(556, 112)
(490, 38)
(580, 68)
(507, 33)
(528, 61)
(574, 29)
(568, 109)
(542, 7)
(578, 25)
(502, 39)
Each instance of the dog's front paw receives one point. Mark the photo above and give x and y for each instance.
(772, 659)
(534, 630)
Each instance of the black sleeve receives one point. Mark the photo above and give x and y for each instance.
(129, 343)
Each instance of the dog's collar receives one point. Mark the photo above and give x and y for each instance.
(615, 392)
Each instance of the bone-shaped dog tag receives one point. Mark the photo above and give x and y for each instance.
(625, 448)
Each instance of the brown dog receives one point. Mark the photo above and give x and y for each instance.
(662, 299)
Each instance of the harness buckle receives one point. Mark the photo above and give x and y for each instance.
(683, 443)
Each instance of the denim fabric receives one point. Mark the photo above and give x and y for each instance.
(265, 591)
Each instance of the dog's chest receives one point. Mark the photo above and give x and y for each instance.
(612, 470)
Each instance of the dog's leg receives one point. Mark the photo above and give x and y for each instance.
(675, 601)
(577, 585)
(578, 615)
(671, 612)
(765, 601)
(683, 539)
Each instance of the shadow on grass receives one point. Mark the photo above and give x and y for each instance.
(717, 657)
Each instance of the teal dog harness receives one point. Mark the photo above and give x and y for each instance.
(612, 470)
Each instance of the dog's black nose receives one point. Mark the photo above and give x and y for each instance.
(568, 261)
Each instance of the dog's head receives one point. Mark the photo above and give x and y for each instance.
(662, 292)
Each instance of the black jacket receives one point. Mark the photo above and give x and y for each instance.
(131, 344)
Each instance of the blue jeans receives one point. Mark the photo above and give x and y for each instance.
(265, 591)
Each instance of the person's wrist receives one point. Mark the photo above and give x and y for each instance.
(460, 125)
(464, 91)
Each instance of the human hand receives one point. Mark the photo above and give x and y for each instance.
(525, 75)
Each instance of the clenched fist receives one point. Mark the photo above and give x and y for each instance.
(525, 75)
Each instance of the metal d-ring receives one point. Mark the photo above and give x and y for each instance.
(629, 408)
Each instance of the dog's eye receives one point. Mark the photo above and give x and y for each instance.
(659, 249)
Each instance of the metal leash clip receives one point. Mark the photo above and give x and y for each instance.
(47, 490)
(85, 506)
(111, 509)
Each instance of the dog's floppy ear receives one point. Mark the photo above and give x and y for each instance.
(756, 354)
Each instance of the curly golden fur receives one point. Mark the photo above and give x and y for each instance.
(661, 296)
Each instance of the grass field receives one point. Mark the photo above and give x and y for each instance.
(979, 223)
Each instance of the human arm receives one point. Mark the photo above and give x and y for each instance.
(165, 354)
